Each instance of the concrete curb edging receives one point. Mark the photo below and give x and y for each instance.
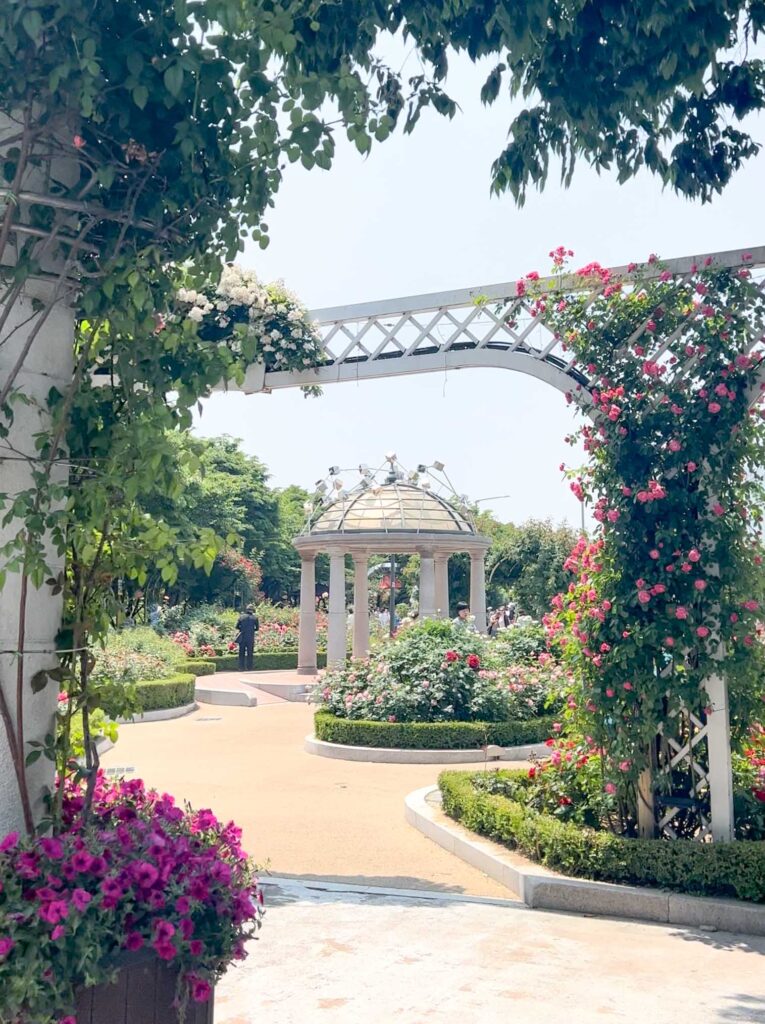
(161, 715)
(394, 755)
(221, 696)
(543, 889)
(297, 693)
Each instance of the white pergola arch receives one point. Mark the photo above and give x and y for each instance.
(489, 327)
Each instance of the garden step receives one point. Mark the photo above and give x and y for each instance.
(229, 695)
(287, 690)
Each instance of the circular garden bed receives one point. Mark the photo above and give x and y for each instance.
(438, 689)
(430, 735)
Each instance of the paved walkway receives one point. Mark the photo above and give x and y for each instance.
(426, 954)
(301, 815)
(342, 958)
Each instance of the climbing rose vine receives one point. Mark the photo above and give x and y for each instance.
(670, 589)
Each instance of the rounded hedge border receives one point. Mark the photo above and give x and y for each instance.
(430, 735)
(275, 661)
(175, 691)
(197, 666)
(735, 869)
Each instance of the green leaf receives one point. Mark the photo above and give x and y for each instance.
(173, 79)
(33, 23)
(33, 756)
(140, 96)
(39, 680)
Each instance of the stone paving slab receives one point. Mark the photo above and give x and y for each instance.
(359, 958)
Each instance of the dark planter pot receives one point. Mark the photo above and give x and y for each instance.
(143, 993)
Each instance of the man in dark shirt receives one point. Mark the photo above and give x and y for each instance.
(248, 626)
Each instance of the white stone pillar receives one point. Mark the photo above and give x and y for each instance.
(45, 352)
(307, 633)
(478, 590)
(336, 633)
(427, 586)
(442, 586)
(720, 766)
(360, 606)
(48, 364)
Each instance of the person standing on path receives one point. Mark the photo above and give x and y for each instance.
(247, 625)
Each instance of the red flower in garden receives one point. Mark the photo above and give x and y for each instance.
(451, 656)
(473, 661)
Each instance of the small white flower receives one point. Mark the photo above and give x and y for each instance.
(196, 314)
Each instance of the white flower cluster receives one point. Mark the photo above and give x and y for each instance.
(286, 337)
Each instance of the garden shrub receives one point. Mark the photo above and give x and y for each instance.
(429, 735)
(436, 671)
(197, 666)
(133, 654)
(704, 869)
(521, 643)
(269, 662)
(159, 694)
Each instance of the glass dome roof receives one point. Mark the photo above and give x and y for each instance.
(390, 508)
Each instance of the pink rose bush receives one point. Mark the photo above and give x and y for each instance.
(438, 672)
(142, 874)
(670, 589)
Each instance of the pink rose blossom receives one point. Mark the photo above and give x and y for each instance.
(681, 612)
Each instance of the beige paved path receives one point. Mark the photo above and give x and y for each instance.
(335, 958)
(304, 815)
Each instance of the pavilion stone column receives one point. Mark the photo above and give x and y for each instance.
(360, 606)
(478, 590)
(427, 585)
(307, 633)
(336, 633)
(442, 585)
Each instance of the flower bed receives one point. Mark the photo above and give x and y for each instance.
(437, 672)
(709, 869)
(429, 735)
(142, 874)
(208, 631)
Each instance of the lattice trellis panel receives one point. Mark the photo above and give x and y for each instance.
(450, 330)
(683, 758)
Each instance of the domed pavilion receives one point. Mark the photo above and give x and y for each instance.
(399, 515)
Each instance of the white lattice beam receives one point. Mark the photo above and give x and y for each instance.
(489, 326)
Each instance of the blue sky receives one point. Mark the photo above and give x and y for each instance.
(416, 216)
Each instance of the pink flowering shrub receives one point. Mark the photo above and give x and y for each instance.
(208, 633)
(671, 588)
(437, 672)
(142, 873)
(576, 783)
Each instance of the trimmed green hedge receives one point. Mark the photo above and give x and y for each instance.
(159, 694)
(197, 666)
(703, 869)
(430, 735)
(266, 662)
